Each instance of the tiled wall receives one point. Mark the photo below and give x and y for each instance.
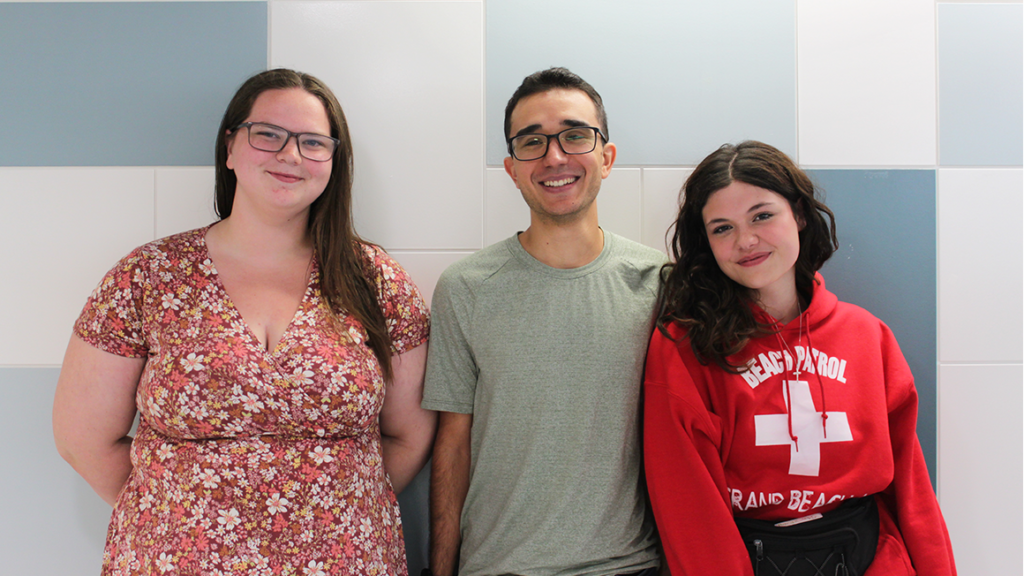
(908, 113)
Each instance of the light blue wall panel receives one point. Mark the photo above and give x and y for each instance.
(122, 84)
(678, 78)
(53, 523)
(981, 84)
(886, 263)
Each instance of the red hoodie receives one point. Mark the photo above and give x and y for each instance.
(718, 444)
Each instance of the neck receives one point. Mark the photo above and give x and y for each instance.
(243, 235)
(566, 245)
(782, 303)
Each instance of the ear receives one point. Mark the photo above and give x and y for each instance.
(228, 141)
(510, 170)
(607, 159)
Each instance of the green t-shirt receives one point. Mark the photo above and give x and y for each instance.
(549, 362)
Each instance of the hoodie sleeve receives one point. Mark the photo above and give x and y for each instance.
(910, 496)
(685, 476)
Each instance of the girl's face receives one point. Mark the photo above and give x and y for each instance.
(754, 237)
(284, 182)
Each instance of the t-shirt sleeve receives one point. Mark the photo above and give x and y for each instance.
(405, 312)
(112, 319)
(450, 384)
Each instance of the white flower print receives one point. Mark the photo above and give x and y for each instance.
(207, 267)
(209, 478)
(229, 518)
(321, 455)
(193, 362)
(164, 451)
(164, 562)
(303, 376)
(251, 403)
(146, 501)
(169, 301)
(277, 503)
(314, 568)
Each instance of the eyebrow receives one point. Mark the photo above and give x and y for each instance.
(532, 128)
(753, 208)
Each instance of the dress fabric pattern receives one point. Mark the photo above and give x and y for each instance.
(248, 461)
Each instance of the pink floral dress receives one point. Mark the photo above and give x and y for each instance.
(248, 461)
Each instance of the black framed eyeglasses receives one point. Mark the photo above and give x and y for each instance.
(575, 140)
(270, 138)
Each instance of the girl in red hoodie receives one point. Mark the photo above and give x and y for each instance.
(766, 398)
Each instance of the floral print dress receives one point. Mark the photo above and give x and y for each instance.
(248, 461)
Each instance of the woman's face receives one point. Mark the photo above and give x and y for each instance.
(283, 183)
(754, 237)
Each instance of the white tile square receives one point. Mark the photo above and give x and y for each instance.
(980, 465)
(618, 203)
(184, 199)
(662, 196)
(505, 211)
(866, 87)
(981, 270)
(63, 229)
(409, 76)
(425, 267)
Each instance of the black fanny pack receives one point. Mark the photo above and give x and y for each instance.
(840, 543)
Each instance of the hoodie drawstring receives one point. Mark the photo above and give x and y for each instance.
(821, 388)
(796, 372)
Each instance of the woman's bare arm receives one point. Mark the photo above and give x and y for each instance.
(407, 430)
(93, 411)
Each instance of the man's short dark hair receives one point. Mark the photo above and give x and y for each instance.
(551, 79)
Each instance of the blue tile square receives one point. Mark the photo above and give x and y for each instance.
(981, 84)
(886, 263)
(678, 79)
(122, 83)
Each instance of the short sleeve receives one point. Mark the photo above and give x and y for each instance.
(112, 319)
(405, 312)
(452, 372)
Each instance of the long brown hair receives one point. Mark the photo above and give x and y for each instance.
(347, 276)
(715, 309)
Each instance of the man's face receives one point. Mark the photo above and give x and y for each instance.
(559, 187)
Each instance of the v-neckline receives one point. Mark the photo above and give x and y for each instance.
(254, 341)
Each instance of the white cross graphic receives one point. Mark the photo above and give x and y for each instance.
(773, 430)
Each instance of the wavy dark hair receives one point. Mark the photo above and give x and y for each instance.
(695, 292)
(347, 274)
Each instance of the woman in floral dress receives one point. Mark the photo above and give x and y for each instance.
(258, 351)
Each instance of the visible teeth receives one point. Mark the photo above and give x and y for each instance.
(562, 182)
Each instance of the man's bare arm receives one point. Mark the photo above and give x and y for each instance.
(449, 482)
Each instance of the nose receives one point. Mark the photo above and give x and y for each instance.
(290, 152)
(555, 154)
(747, 238)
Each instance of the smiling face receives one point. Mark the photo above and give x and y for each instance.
(282, 182)
(559, 188)
(754, 237)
